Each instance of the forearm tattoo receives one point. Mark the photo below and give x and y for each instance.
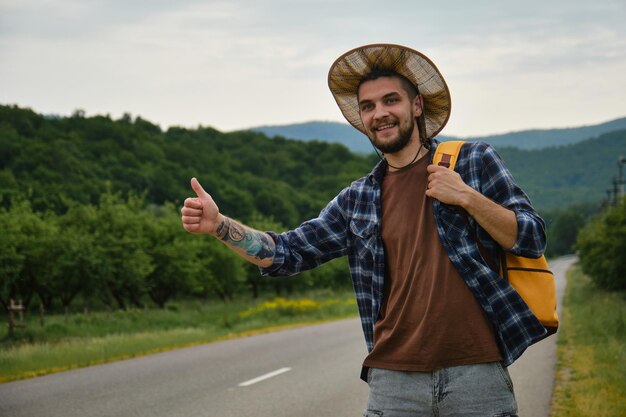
(254, 243)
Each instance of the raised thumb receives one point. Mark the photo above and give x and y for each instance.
(195, 185)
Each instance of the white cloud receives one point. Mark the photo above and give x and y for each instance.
(234, 64)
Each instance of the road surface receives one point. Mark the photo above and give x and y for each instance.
(533, 373)
(310, 371)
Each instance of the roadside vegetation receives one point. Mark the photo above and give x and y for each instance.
(70, 341)
(591, 368)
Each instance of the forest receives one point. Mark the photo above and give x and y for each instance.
(89, 206)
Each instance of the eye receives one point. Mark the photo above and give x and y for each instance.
(366, 107)
(391, 100)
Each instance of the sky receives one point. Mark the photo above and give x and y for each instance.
(510, 65)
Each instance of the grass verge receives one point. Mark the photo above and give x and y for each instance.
(591, 367)
(78, 340)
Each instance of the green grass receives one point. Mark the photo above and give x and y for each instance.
(77, 340)
(591, 369)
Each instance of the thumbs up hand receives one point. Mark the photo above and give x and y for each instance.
(200, 214)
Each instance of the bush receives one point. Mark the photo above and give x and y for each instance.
(563, 225)
(281, 307)
(601, 247)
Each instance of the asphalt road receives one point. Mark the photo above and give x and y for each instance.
(533, 373)
(323, 380)
(310, 371)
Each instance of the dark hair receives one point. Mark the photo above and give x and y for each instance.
(411, 89)
(376, 73)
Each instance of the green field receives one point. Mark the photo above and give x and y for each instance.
(591, 368)
(76, 340)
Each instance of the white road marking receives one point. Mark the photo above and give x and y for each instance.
(264, 377)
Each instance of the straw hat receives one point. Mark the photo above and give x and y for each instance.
(347, 71)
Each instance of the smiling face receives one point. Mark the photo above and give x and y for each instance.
(388, 113)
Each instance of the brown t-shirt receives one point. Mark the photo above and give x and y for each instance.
(429, 318)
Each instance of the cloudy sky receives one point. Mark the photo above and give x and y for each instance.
(511, 65)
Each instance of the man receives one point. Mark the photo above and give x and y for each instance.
(423, 243)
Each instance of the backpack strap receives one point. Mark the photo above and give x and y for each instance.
(447, 153)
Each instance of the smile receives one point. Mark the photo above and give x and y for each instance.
(387, 126)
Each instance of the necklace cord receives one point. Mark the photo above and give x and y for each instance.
(410, 163)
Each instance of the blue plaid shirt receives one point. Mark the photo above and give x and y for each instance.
(350, 225)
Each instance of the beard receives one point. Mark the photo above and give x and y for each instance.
(397, 144)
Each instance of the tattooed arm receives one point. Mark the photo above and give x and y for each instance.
(201, 215)
(255, 246)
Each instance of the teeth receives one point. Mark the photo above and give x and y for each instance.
(385, 127)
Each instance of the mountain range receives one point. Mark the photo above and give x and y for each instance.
(345, 134)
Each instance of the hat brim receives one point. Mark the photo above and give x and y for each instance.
(346, 73)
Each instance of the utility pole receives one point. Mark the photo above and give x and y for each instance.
(620, 164)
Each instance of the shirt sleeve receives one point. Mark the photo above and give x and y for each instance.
(314, 242)
(499, 185)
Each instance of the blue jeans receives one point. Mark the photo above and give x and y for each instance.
(483, 390)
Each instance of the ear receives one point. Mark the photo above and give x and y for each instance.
(418, 106)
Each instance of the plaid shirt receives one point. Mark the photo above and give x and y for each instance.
(350, 225)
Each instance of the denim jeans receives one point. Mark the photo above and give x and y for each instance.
(483, 390)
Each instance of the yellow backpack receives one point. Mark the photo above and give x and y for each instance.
(531, 278)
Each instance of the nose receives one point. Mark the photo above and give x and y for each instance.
(380, 112)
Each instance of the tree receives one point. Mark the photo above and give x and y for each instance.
(34, 240)
(174, 256)
(120, 232)
(11, 260)
(601, 247)
(563, 226)
(40, 255)
(332, 275)
(221, 270)
(79, 264)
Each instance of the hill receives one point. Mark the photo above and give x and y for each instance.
(54, 161)
(345, 134)
(544, 138)
(332, 132)
(562, 176)
(57, 162)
